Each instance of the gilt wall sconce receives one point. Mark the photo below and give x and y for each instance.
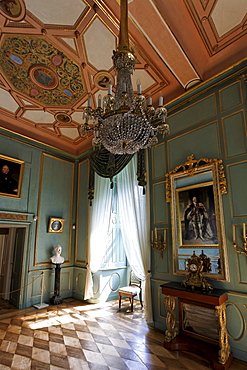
(158, 241)
(244, 238)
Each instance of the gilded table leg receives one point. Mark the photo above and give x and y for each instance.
(171, 332)
(223, 336)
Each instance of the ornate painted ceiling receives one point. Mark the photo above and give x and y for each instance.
(55, 53)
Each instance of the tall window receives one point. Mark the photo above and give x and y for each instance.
(133, 215)
(114, 256)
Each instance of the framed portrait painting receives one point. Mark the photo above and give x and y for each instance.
(11, 175)
(56, 225)
(194, 190)
(197, 217)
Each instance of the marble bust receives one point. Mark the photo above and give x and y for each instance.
(57, 258)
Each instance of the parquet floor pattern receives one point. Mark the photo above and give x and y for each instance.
(75, 335)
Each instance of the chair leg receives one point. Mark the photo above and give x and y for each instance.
(131, 305)
(140, 296)
(119, 301)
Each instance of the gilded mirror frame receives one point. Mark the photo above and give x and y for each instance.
(195, 190)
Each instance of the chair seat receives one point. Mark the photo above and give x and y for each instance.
(129, 290)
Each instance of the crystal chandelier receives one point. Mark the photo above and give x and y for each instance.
(124, 124)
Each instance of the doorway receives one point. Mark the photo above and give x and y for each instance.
(11, 256)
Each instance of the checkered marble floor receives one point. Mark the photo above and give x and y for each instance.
(75, 335)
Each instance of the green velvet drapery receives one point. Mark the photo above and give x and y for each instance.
(107, 165)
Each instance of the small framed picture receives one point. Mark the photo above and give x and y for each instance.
(55, 225)
(11, 174)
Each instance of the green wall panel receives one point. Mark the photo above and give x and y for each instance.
(31, 156)
(235, 134)
(35, 284)
(17, 150)
(158, 160)
(82, 213)
(202, 142)
(238, 181)
(236, 324)
(194, 113)
(160, 261)
(56, 199)
(160, 213)
(230, 96)
(79, 280)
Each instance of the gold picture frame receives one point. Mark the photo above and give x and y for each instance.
(56, 225)
(11, 176)
(194, 190)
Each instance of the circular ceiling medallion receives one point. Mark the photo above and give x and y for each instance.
(12, 8)
(34, 92)
(63, 117)
(102, 80)
(44, 77)
(57, 60)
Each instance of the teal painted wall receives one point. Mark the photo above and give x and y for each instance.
(209, 123)
(47, 191)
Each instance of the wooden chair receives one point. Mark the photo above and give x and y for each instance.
(132, 290)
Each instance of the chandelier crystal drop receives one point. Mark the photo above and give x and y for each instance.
(123, 124)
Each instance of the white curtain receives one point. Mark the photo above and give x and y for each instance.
(99, 220)
(135, 225)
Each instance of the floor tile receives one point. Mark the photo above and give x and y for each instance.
(40, 334)
(42, 344)
(149, 358)
(56, 348)
(41, 355)
(109, 350)
(7, 346)
(77, 363)
(23, 350)
(113, 361)
(26, 340)
(56, 338)
(21, 363)
(89, 345)
(75, 352)
(59, 360)
(101, 339)
(94, 357)
(37, 365)
(2, 334)
(132, 365)
(85, 336)
(73, 342)
(127, 354)
(6, 358)
(11, 337)
(120, 343)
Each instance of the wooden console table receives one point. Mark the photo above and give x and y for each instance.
(202, 323)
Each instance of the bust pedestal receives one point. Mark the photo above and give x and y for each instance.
(57, 299)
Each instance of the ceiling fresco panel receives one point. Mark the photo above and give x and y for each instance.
(100, 43)
(38, 69)
(53, 54)
(56, 12)
(7, 102)
(220, 22)
(227, 15)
